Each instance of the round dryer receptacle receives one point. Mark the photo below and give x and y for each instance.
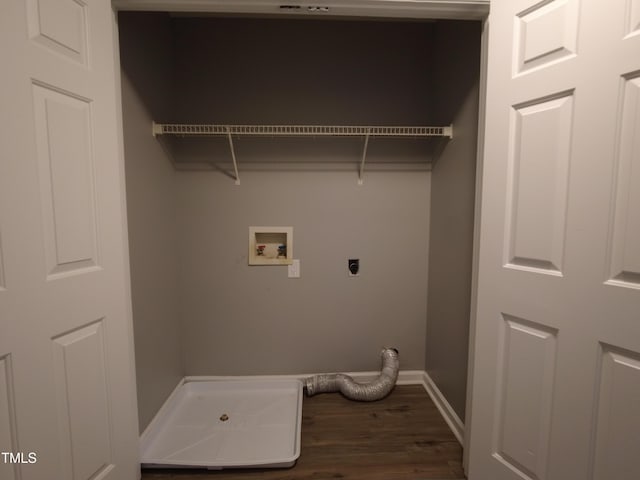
(354, 267)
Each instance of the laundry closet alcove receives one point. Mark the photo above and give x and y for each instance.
(199, 308)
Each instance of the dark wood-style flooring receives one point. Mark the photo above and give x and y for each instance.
(400, 437)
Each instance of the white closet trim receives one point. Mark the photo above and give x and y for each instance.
(426, 9)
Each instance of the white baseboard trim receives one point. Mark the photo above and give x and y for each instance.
(405, 377)
(450, 416)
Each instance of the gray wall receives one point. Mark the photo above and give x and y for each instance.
(304, 71)
(452, 211)
(242, 320)
(151, 211)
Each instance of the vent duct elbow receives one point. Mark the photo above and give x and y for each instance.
(367, 392)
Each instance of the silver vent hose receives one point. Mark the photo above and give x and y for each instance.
(375, 390)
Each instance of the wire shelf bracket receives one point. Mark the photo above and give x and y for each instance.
(364, 157)
(215, 130)
(233, 157)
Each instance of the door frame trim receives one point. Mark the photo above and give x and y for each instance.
(482, 103)
(436, 9)
(385, 9)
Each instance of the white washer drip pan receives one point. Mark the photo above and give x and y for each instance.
(226, 424)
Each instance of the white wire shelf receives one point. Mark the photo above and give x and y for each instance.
(301, 130)
(229, 131)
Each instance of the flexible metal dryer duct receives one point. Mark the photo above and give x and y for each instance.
(375, 390)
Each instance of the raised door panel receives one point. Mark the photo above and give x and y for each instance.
(525, 393)
(82, 400)
(625, 235)
(539, 171)
(545, 34)
(633, 17)
(65, 159)
(61, 26)
(618, 418)
(8, 441)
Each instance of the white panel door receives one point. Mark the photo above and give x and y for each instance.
(67, 395)
(556, 387)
